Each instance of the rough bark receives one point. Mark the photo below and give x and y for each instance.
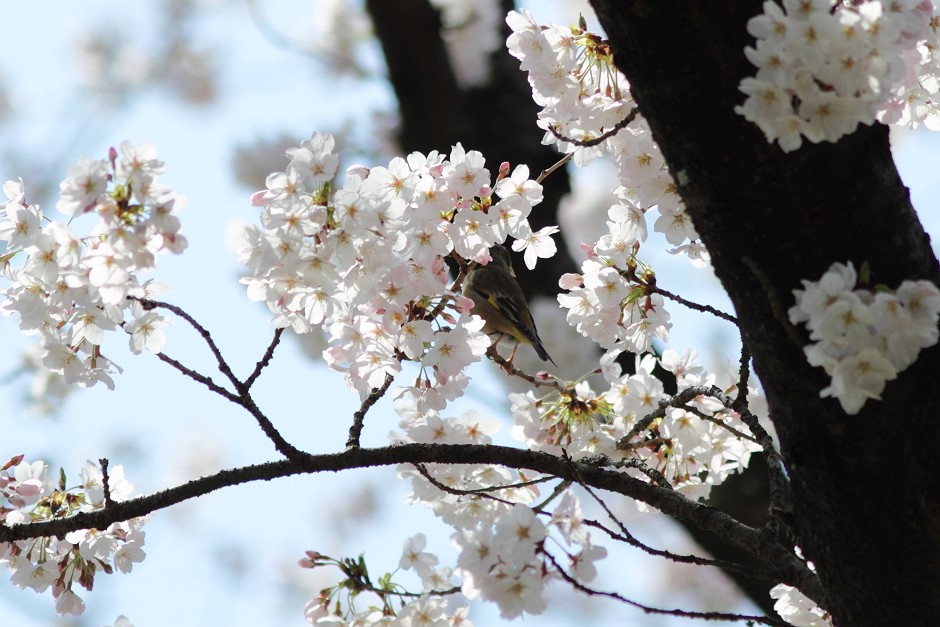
(865, 487)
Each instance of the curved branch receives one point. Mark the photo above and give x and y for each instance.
(723, 616)
(201, 330)
(360, 416)
(587, 143)
(265, 360)
(786, 566)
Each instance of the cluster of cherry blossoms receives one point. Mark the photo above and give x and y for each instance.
(70, 289)
(604, 306)
(825, 66)
(435, 605)
(694, 445)
(585, 102)
(508, 547)
(318, 247)
(511, 549)
(585, 99)
(366, 262)
(28, 494)
(864, 339)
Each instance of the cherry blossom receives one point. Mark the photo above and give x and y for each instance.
(864, 339)
(584, 97)
(317, 258)
(72, 289)
(824, 67)
(27, 495)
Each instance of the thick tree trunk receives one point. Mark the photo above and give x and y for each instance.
(865, 487)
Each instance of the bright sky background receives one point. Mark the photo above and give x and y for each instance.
(229, 558)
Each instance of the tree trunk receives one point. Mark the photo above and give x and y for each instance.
(865, 487)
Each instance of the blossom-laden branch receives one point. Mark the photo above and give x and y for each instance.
(779, 484)
(679, 400)
(764, 546)
(624, 535)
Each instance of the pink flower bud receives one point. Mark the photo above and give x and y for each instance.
(257, 199)
(464, 304)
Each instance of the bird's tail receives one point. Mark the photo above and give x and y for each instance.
(541, 352)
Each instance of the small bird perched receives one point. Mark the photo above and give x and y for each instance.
(498, 299)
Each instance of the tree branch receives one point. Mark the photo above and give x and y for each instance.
(265, 360)
(360, 416)
(724, 616)
(223, 365)
(785, 566)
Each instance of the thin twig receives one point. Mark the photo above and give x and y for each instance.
(602, 461)
(105, 481)
(265, 360)
(630, 539)
(688, 303)
(423, 470)
(766, 620)
(243, 400)
(547, 172)
(716, 421)
(361, 585)
(360, 416)
(199, 378)
(587, 143)
(512, 370)
(223, 365)
(561, 487)
(694, 560)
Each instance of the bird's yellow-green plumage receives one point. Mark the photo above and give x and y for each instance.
(498, 299)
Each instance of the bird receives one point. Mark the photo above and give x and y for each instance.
(498, 299)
